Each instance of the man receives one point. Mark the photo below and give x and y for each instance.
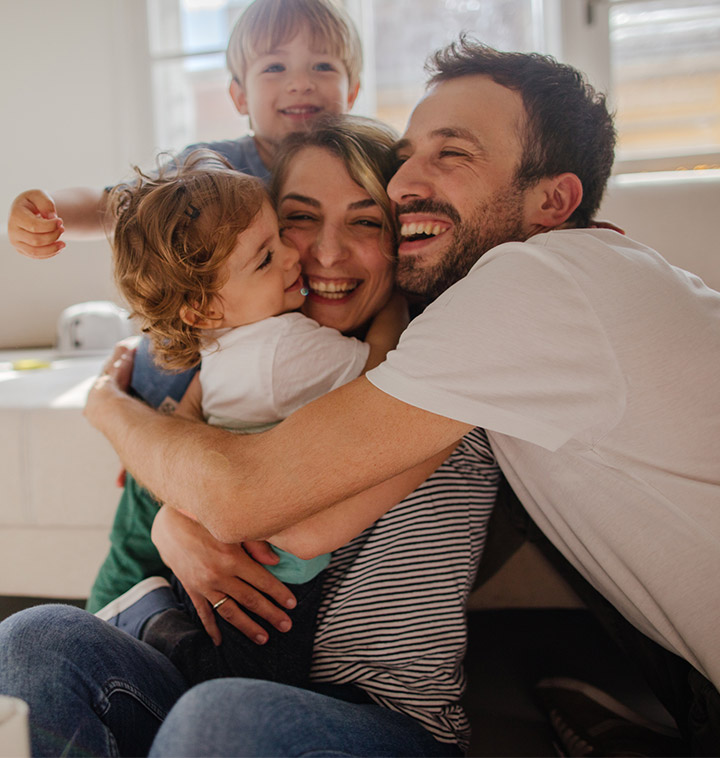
(591, 362)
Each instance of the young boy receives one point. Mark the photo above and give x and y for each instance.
(290, 61)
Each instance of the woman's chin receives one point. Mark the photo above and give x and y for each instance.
(331, 313)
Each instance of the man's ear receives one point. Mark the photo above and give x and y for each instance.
(553, 200)
(352, 95)
(192, 318)
(238, 96)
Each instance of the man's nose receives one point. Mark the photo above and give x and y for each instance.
(409, 182)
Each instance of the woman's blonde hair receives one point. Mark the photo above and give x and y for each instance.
(173, 234)
(364, 145)
(267, 24)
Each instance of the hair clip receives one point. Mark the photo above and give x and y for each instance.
(192, 211)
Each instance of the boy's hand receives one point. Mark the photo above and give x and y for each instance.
(34, 228)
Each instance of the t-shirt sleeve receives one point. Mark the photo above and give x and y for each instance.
(311, 360)
(514, 347)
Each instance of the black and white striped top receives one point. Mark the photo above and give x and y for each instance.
(392, 620)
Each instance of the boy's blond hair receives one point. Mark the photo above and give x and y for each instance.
(267, 24)
(174, 233)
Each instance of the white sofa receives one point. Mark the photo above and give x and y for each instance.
(59, 473)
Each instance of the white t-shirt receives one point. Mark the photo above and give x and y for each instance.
(595, 367)
(256, 375)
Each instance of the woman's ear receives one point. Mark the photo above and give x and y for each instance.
(238, 96)
(553, 200)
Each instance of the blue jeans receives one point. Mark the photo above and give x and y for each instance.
(94, 690)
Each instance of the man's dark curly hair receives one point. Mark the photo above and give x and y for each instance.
(568, 127)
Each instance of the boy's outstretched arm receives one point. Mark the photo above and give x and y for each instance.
(38, 220)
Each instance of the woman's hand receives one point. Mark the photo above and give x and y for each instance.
(210, 570)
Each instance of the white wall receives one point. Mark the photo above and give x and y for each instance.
(68, 67)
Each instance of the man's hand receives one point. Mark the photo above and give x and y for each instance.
(34, 228)
(210, 570)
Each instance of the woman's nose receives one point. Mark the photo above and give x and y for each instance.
(329, 248)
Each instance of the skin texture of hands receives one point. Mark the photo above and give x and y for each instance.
(209, 570)
(34, 228)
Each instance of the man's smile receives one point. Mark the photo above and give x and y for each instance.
(416, 232)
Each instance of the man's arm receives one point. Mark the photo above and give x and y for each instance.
(252, 486)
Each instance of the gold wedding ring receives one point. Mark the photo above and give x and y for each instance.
(220, 602)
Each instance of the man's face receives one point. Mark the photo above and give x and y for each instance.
(455, 193)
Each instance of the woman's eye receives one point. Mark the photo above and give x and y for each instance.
(267, 260)
(295, 217)
(369, 222)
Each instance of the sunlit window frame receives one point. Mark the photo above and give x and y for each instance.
(574, 31)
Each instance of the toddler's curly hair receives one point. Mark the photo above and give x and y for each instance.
(173, 233)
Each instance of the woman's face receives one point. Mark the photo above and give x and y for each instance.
(337, 227)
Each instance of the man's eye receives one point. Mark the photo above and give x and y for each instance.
(369, 222)
(450, 152)
(267, 260)
(274, 68)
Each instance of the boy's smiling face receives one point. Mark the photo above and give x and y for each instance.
(286, 89)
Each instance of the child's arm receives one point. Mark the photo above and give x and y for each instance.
(190, 406)
(334, 527)
(385, 330)
(38, 220)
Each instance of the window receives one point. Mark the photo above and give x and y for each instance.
(665, 74)
(659, 59)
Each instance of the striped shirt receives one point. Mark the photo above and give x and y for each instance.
(392, 620)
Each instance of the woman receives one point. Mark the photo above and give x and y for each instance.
(387, 673)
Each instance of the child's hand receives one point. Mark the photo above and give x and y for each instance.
(34, 228)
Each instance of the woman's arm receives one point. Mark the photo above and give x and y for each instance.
(385, 330)
(209, 570)
(330, 529)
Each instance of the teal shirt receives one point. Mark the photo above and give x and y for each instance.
(294, 570)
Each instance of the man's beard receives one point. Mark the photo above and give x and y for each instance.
(498, 220)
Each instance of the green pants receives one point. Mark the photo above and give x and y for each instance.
(133, 556)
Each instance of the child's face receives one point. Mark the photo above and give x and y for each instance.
(286, 89)
(263, 275)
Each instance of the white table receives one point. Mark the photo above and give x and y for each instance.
(57, 475)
